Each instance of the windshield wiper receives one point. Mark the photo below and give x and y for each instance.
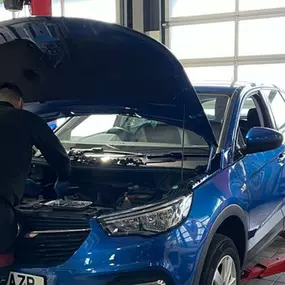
(174, 155)
(125, 158)
(101, 150)
(96, 150)
(146, 157)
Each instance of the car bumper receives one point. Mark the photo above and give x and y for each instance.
(164, 259)
(147, 277)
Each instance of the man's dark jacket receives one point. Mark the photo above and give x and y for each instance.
(20, 130)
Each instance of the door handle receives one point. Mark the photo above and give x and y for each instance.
(281, 158)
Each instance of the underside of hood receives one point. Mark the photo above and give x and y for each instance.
(61, 59)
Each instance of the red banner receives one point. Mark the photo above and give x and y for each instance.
(41, 7)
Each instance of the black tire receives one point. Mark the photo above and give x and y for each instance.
(219, 248)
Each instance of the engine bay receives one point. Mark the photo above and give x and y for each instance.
(109, 187)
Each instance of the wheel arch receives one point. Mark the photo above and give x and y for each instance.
(227, 216)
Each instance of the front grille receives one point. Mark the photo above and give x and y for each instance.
(49, 241)
(43, 223)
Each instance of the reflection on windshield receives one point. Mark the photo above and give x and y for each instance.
(124, 130)
(120, 129)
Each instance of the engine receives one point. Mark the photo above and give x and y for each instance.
(111, 186)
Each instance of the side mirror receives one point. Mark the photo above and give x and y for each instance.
(262, 139)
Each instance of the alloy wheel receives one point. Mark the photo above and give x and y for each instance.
(225, 273)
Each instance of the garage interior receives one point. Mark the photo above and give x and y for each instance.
(242, 39)
(217, 41)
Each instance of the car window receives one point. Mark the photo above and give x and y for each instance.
(248, 104)
(125, 130)
(136, 131)
(93, 124)
(277, 104)
(251, 115)
(214, 106)
(209, 108)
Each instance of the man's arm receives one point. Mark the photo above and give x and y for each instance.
(51, 148)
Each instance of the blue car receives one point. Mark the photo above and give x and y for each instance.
(171, 184)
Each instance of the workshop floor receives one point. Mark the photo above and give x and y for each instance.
(278, 247)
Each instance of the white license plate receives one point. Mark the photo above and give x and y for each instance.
(17, 278)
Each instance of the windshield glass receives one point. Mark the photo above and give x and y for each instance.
(119, 131)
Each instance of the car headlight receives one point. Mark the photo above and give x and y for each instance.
(147, 220)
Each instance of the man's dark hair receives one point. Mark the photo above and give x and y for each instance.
(10, 93)
(15, 89)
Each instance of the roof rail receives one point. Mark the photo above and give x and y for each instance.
(275, 86)
(226, 83)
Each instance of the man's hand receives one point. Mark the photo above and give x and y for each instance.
(61, 188)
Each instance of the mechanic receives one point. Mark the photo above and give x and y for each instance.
(20, 131)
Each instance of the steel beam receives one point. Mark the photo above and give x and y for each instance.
(232, 60)
(236, 44)
(226, 17)
(62, 8)
(138, 16)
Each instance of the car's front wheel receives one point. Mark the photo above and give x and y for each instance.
(222, 264)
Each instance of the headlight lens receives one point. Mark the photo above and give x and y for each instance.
(148, 220)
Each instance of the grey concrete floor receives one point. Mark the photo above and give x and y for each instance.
(276, 248)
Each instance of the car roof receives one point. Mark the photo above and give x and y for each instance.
(227, 87)
(215, 89)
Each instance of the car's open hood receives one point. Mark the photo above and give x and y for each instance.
(60, 59)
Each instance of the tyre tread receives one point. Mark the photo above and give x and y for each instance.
(219, 245)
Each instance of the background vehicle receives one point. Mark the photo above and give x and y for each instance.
(167, 189)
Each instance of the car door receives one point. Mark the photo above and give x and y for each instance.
(259, 173)
(276, 102)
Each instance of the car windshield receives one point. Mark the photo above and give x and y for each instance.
(129, 132)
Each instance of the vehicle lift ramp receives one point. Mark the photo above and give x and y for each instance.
(266, 267)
